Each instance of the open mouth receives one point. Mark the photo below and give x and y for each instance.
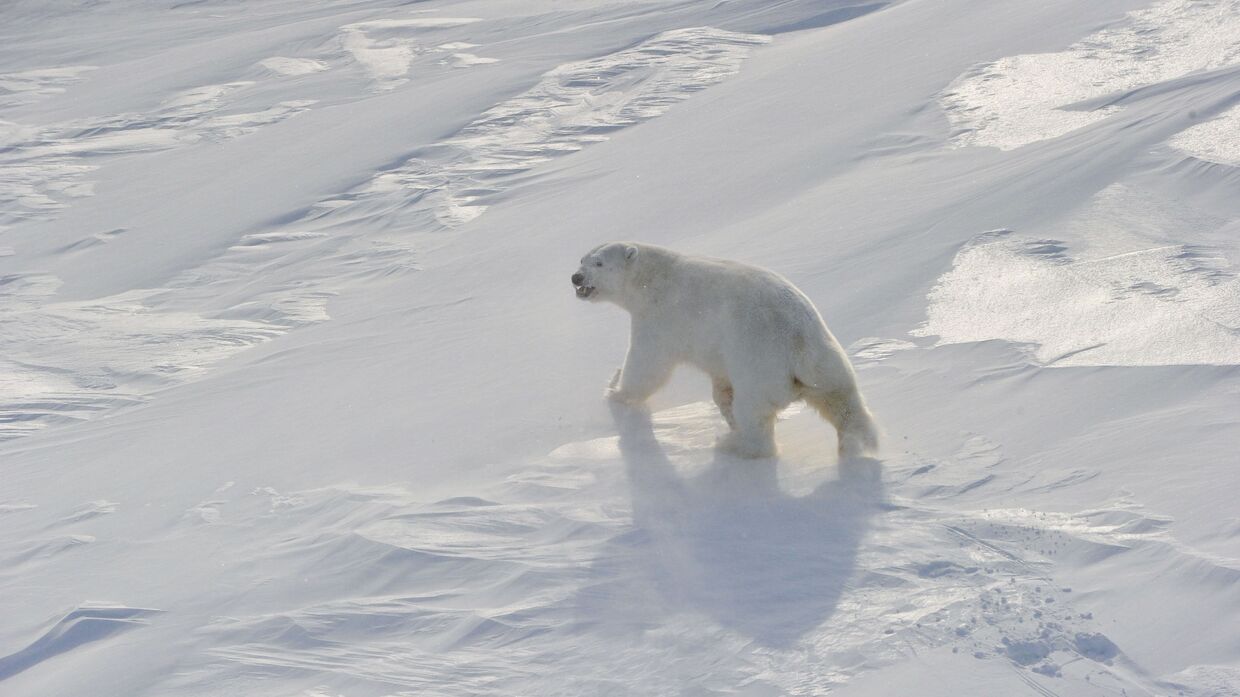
(584, 291)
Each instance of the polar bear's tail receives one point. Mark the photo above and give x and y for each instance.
(854, 424)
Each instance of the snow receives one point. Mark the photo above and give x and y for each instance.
(1216, 140)
(296, 399)
(1026, 98)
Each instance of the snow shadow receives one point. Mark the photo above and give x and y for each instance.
(83, 625)
(729, 543)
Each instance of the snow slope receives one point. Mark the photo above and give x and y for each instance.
(296, 399)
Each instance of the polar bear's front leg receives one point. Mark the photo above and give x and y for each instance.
(646, 368)
(753, 435)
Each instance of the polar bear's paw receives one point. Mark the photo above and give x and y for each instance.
(749, 448)
(613, 393)
(619, 397)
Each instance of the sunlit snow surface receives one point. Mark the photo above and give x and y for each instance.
(1031, 97)
(296, 399)
(1123, 300)
(126, 345)
(1216, 140)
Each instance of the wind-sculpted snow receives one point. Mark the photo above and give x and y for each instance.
(1131, 296)
(128, 345)
(42, 168)
(573, 106)
(31, 86)
(1027, 98)
(427, 494)
(89, 623)
(66, 361)
(1216, 140)
(632, 561)
(386, 48)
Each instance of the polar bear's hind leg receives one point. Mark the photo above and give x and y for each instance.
(846, 411)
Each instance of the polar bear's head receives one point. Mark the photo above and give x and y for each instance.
(603, 271)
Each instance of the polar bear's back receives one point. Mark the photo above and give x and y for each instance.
(730, 312)
(760, 298)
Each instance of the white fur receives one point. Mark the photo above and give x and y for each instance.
(760, 340)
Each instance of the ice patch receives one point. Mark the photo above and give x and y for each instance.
(1027, 98)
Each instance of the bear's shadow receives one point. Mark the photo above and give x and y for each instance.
(729, 543)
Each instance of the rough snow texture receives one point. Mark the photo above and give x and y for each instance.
(125, 346)
(1125, 299)
(1026, 98)
(572, 106)
(296, 399)
(1216, 140)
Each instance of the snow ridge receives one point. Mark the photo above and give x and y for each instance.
(42, 167)
(571, 107)
(128, 345)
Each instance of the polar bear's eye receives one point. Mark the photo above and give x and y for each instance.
(598, 263)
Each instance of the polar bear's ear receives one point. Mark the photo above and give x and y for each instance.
(630, 252)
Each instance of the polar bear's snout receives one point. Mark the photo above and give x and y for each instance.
(579, 283)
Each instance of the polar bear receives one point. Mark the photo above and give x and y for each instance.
(760, 340)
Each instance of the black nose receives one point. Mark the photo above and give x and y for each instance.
(578, 279)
